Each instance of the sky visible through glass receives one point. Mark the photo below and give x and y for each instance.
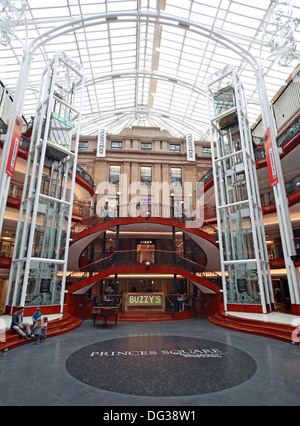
(147, 62)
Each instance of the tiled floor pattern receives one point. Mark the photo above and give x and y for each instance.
(167, 358)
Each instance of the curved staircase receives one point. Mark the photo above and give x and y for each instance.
(272, 330)
(55, 327)
(144, 316)
(154, 316)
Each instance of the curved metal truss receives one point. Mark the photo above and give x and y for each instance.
(147, 62)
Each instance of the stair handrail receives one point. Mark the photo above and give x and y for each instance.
(95, 220)
(117, 257)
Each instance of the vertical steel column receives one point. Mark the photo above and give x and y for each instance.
(17, 109)
(242, 249)
(52, 160)
(281, 201)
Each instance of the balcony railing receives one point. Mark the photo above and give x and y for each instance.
(291, 186)
(259, 153)
(147, 210)
(275, 250)
(25, 144)
(138, 258)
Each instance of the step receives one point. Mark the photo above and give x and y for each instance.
(272, 330)
(145, 316)
(55, 327)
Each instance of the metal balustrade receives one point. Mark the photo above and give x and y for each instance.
(132, 258)
(153, 210)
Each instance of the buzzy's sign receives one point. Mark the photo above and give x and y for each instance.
(152, 299)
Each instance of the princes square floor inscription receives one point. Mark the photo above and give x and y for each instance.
(161, 365)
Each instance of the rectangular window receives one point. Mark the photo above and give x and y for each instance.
(176, 177)
(174, 147)
(114, 174)
(206, 152)
(116, 144)
(146, 175)
(146, 146)
(83, 145)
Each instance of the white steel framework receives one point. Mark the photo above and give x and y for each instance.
(243, 251)
(184, 40)
(40, 257)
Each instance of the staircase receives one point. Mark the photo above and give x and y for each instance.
(145, 316)
(59, 326)
(277, 331)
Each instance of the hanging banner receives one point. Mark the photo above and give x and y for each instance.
(269, 150)
(101, 145)
(190, 147)
(14, 147)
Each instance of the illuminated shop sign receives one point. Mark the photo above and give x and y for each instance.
(144, 299)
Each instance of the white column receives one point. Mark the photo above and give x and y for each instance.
(281, 200)
(16, 111)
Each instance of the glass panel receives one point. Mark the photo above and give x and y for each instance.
(237, 233)
(176, 177)
(33, 171)
(146, 146)
(13, 273)
(146, 175)
(51, 229)
(111, 207)
(242, 283)
(145, 253)
(56, 181)
(174, 147)
(19, 285)
(44, 284)
(206, 152)
(224, 100)
(114, 174)
(23, 233)
(83, 145)
(60, 130)
(116, 144)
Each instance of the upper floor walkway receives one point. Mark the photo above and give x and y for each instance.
(129, 262)
(86, 231)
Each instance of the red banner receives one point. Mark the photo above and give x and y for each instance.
(272, 170)
(14, 146)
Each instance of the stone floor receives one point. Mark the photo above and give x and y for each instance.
(173, 364)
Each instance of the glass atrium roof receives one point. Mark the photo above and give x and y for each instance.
(146, 62)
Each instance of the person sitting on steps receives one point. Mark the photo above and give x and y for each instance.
(18, 324)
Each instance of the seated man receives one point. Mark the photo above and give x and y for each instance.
(18, 325)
